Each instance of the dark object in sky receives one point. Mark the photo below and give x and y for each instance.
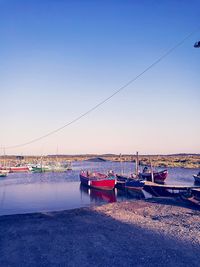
(197, 44)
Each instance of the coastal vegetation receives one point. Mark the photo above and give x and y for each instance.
(164, 161)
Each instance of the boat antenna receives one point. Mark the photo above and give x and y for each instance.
(137, 164)
(152, 176)
(120, 159)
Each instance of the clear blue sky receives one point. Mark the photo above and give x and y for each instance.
(60, 58)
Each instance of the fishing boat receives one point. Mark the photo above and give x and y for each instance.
(19, 169)
(67, 165)
(158, 177)
(39, 169)
(98, 180)
(47, 168)
(3, 173)
(36, 169)
(134, 182)
(121, 180)
(58, 169)
(193, 197)
(196, 195)
(197, 178)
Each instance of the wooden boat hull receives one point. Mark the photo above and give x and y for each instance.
(37, 170)
(134, 184)
(19, 169)
(129, 183)
(196, 194)
(94, 182)
(194, 197)
(159, 177)
(40, 169)
(166, 190)
(68, 169)
(2, 175)
(121, 181)
(196, 179)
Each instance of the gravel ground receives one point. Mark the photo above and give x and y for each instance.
(164, 216)
(134, 233)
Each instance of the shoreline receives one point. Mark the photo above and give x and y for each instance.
(191, 161)
(139, 233)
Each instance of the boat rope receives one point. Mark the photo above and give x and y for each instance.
(167, 53)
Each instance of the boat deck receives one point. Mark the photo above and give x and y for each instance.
(167, 189)
(172, 187)
(197, 190)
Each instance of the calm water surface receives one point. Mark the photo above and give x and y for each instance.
(41, 192)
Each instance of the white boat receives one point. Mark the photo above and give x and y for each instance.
(3, 173)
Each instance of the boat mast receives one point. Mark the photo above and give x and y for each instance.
(152, 177)
(120, 158)
(4, 153)
(136, 164)
(56, 158)
(41, 164)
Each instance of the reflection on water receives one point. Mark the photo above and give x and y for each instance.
(27, 192)
(98, 195)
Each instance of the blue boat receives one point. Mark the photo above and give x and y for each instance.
(134, 182)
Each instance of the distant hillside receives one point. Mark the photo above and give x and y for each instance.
(96, 159)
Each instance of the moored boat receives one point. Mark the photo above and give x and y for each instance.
(3, 173)
(121, 180)
(39, 169)
(131, 183)
(134, 182)
(68, 166)
(194, 197)
(158, 177)
(19, 169)
(197, 178)
(196, 194)
(98, 180)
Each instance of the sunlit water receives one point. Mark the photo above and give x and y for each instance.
(41, 192)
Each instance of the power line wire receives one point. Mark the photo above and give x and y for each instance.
(169, 51)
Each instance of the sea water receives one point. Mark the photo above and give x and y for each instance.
(43, 192)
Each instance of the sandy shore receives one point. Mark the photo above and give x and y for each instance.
(134, 233)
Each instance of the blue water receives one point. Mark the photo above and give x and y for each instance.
(42, 192)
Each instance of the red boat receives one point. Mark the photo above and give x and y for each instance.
(19, 169)
(159, 177)
(98, 180)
